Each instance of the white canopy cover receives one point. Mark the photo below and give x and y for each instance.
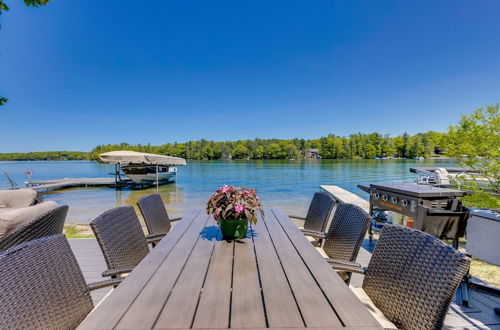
(125, 157)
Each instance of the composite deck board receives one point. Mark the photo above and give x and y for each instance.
(114, 306)
(280, 304)
(91, 261)
(247, 308)
(214, 306)
(179, 311)
(314, 307)
(347, 306)
(145, 309)
(194, 279)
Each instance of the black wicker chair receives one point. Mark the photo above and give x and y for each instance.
(345, 234)
(121, 238)
(42, 286)
(318, 213)
(155, 215)
(412, 277)
(47, 224)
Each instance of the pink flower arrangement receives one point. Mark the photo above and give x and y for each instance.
(230, 202)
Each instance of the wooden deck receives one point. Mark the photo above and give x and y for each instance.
(343, 196)
(194, 279)
(57, 184)
(91, 261)
(480, 316)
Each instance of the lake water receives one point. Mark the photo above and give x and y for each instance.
(287, 184)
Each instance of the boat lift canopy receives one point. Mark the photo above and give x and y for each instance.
(124, 157)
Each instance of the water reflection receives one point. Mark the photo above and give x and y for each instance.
(286, 184)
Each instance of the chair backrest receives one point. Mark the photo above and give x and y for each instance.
(319, 212)
(412, 277)
(154, 213)
(47, 224)
(42, 286)
(120, 236)
(346, 232)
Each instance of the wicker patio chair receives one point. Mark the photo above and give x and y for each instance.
(155, 215)
(121, 238)
(43, 286)
(318, 213)
(412, 277)
(345, 234)
(47, 224)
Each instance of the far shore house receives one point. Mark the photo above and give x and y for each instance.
(312, 154)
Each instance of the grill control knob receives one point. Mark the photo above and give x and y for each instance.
(376, 195)
(404, 202)
(385, 197)
(394, 200)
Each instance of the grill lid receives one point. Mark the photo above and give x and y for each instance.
(414, 190)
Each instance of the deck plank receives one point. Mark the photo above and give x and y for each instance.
(180, 308)
(314, 307)
(247, 309)
(281, 308)
(349, 308)
(144, 310)
(114, 306)
(214, 306)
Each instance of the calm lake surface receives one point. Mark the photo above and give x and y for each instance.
(287, 184)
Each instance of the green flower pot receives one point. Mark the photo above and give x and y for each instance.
(232, 229)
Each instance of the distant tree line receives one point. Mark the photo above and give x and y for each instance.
(45, 155)
(355, 146)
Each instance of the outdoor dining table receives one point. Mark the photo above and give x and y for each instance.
(273, 278)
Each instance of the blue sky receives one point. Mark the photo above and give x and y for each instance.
(80, 73)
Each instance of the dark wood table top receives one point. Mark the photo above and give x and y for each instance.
(193, 279)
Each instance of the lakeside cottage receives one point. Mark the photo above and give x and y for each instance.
(312, 154)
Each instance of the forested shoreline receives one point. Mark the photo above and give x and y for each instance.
(354, 146)
(45, 155)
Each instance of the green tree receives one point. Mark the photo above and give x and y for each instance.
(240, 151)
(259, 152)
(475, 143)
(272, 151)
(29, 3)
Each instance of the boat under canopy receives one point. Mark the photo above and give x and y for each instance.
(124, 157)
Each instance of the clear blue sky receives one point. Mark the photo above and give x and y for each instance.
(80, 73)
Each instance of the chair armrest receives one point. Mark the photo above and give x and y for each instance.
(156, 236)
(151, 239)
(313, 233)
(297, 217)
(175, 219)
(116, 271)
(347, 266)
(104, 283)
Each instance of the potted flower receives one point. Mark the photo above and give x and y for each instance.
(233, 207)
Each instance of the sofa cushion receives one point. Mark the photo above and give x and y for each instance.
(17, 198)
(10, 219)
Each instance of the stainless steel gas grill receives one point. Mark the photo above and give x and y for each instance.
(436, 211)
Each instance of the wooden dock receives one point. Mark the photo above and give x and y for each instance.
(57, 184)
(343, 196)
